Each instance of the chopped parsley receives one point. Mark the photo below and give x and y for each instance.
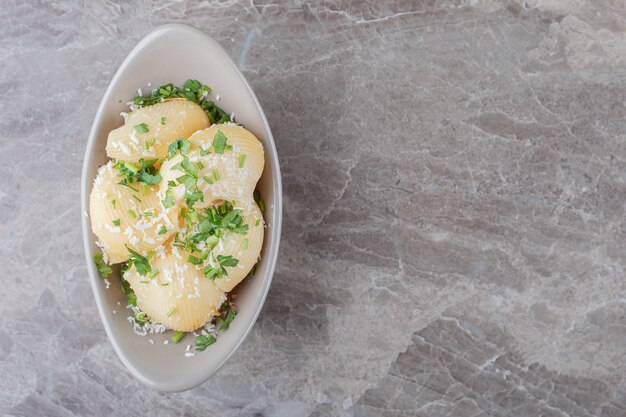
(132, 214)
(203, 341)
(227, 315)
(170, 312)
(149, 178)
(103, 269)
(116, 222)
(219, 219)
(131, 297)
(220, 271)
(113, 203)
(146, 173)
(242, 160)
(141, 318)
(180, 144)
(141, 128)
(168, 201)
(191, 197)
(190, 180)
(209, 225)
(162, 230)
(194, 260)
(125, 183)
(245, 243)
(216, 174)
(141, 263)
(192, 90)
(177, 337)
(219, 142)
(162, 120)
(259, 200)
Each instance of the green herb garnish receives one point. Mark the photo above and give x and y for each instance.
(141, 128)
(194, 260)
(103, 269)
(170, 312)
(220, 271)
(116, 222)
(125, 183)
(227, 316)
(242, 160)
(146, 173)
(162, 120)
(219, 142)
(259, 200)
(131, 298)
(162, 230)
(140, 262)
(191, 197)
(168, 201)
(141, 318)
(180, 144)
(192, 90)
(203, 341)
(177, 337)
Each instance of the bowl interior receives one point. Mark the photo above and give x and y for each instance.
(174, 53)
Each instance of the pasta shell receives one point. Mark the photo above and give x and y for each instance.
(180, 297)
(110, 201)
(164, 121)
(232, 177)
(234, 244)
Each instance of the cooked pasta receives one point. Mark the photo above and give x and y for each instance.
(148, 131)
(122, 217)
(229, 176)
(180, 297)
(177, 204)
(246, 248)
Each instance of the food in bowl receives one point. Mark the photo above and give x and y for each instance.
(176, 206)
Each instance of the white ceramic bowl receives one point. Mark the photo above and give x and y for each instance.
(174, 53)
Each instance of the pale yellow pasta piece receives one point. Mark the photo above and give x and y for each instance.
(179, 296)
(139, 221)
(234, 244)
(233, 177)
(165, 122)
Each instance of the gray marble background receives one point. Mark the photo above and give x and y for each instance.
(455, 190)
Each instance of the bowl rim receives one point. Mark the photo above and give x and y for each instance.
(86, 183)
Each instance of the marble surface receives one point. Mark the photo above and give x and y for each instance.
(455, 188)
